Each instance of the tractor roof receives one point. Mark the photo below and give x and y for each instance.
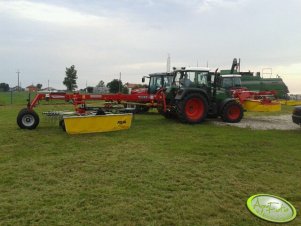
(231, 76)
(192, 69)
(160, 74)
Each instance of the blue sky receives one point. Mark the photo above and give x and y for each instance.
(134, 37)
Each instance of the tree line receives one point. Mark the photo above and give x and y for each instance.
(70, 81)
(115, 86)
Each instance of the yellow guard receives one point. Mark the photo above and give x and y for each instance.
(97, 123)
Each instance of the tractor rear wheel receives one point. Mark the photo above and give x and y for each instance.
(192, 109)
(232, 112)
(28, 119)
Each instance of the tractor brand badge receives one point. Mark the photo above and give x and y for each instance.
(271, 208)
(121, 122)
(142, 97)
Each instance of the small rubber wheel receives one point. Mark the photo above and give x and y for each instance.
(28, 119)
(232, 112)
(62, 124)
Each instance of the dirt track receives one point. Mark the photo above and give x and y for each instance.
(281, 122)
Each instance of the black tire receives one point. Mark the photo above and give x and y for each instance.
(100, 112)
(62, 124)
(141, 109)
(192, 109)
(168, 114)
(232, 112)
(28, 119)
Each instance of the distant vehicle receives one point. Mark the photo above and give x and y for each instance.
(256, 82)
(297, 115)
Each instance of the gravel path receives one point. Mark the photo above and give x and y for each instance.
(281, 122)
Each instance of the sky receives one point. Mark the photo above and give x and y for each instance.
(104, 38)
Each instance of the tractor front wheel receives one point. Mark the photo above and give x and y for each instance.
(168, 114)
(232, 112)
(192, 109)
(28, 119)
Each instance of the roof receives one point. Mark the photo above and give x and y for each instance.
(231, 76)
(161, 74)
(49, 88)
(131, 85)
(31, 86)
(193, 68)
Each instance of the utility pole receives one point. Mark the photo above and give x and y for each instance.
(168, 64)
(18, 73)
(48, 85)
(119, 87)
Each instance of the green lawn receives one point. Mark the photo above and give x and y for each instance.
(159, 172)
(16, 98)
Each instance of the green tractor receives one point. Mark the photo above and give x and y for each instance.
(196, 93)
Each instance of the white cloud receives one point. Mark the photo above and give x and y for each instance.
(291, 75)
(103, 38)
(207, 5)
(49, 13)
(145, 66)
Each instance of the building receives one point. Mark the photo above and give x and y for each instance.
(49, 89)
(132, 85)
(16, 88)
(101, 89)
(31, 88)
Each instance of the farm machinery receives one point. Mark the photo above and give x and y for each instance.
(196, 93)
(83, 119)
(190, 94)
(140, 100)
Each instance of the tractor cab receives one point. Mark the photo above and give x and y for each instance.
(157, 81)
(191, 77)
(224, 86)
(187, 79)
(232, 81)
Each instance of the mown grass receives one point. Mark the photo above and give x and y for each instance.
(16, 98)
(159, 172)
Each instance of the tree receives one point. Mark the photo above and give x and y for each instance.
(138, 86)
(70, 79)
(101, 84)
(125, 90)
(39, 86)
(4, 87)
(89, 89)
(114, 86)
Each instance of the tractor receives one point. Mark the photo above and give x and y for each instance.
(196, 93)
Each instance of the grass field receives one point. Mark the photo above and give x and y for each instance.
(159, 172)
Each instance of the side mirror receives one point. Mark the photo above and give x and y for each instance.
(143, 79)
